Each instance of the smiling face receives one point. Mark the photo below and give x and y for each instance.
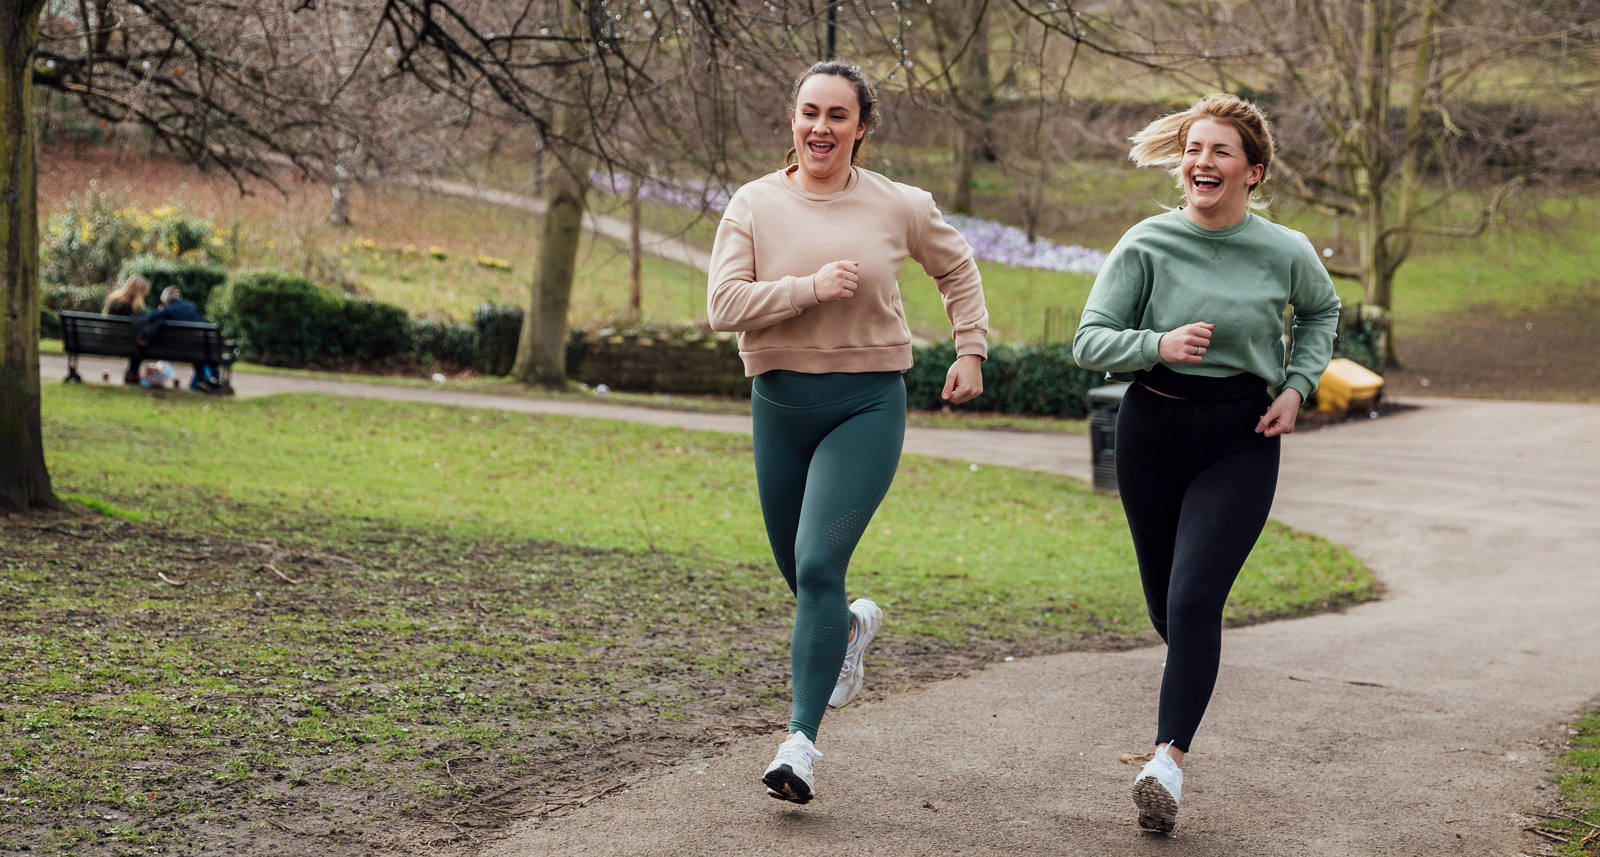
(826, 123)
(1217, 175)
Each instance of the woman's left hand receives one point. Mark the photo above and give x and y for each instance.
(964, 381)
(1280, 416)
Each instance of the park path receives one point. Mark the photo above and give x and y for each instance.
(1419, 724)
(614, 228)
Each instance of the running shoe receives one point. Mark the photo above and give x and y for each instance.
(868, 619)
(789, 777)
(1157, 791)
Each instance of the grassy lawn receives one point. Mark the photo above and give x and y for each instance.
(351, 626)
(1536, 258)
(1577, 821)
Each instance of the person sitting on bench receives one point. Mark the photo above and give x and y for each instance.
(175, 308)
(128, 299)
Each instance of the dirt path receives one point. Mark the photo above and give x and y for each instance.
(1420, 724)
(614, 228)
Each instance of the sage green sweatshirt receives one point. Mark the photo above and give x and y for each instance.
(1168, 271)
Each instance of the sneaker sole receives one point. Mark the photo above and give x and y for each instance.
(782, 784)
(1158, 812)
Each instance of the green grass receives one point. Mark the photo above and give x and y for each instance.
(479, 600)
(1577, 775)
(613, 485)
(392, 257)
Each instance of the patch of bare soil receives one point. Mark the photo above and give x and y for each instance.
(182, 692)
(1552, 353)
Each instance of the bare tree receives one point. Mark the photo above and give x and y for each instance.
(1400, 109)
(24, 479)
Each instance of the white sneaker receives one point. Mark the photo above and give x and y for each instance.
(868, 619)
(789, 776)
(1157, 790)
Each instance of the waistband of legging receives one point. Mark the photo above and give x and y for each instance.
(1199, 388)
(792, 389)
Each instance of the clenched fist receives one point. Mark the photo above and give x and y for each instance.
(836, 281)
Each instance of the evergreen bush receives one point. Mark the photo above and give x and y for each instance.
(369, 332)
(446, 342)
(277, 318)
(56, 297)
(1026, 379)
(1361, 336)
(498, 326)
(195, 279)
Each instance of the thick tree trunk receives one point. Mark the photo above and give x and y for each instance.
(24, 479)
(542, 347)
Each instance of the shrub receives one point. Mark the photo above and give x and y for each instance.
(57, 297)
(278, 318)
(49, 324)
(1361, 336)
(498, 327)
(89, 242)
(86, 243)
(195, 279)
(1027, 379)
(1043, 379)
(369, 331)
(444, 341)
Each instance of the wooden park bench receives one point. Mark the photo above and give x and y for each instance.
(178, 341)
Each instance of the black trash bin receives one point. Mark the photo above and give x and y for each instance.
(1103, 404)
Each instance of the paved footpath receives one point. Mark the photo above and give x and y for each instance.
(1420, 724)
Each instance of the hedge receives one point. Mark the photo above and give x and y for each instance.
(498, 327)
(284, 319)
(443, 342)
(1024, 379)
(195, 279)
(369, 332)
(56, 297)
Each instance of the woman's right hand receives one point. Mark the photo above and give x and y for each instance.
(835, 281)
(1187, 344)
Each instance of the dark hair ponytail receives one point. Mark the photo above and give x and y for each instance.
(866, 96)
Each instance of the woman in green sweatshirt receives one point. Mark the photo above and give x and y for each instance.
(1190, 303)
(805, 268)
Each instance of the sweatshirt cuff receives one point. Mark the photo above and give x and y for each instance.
(1150, 348)
(972, 342)
(1302, 385)
(802, 293)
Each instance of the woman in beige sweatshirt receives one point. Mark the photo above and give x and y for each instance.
(805, 268)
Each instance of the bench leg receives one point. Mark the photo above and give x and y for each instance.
(72, 370)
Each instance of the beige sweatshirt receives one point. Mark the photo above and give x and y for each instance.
(774, 236)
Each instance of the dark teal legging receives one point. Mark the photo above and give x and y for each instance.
(826, 450)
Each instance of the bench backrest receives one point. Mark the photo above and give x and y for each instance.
(112, 336)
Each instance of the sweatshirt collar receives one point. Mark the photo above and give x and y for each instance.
(1224, 232)
(785, 176)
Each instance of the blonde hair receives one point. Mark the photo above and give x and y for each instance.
(1160, 144)
(133, 290)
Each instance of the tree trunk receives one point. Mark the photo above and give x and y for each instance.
(976, 94)
(635, 254)
(542, 347)
(24, 479)
(340, 216)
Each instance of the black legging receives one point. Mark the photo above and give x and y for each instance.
(1196, 483)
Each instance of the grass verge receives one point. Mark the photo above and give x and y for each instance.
(1574, 829)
